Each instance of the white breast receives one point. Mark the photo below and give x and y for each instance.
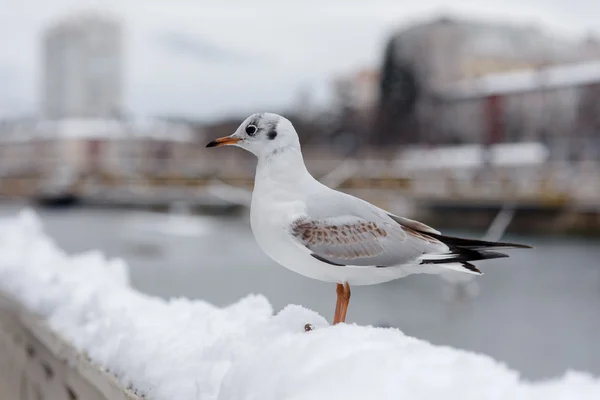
(270, 218)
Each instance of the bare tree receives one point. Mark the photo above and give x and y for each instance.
(399, 91)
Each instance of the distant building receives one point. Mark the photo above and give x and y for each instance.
(83, 68)
(450, 49)
(355, 99)
(358, 90)
(558, 105)
(423, 61)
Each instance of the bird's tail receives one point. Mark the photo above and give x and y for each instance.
(463, 251)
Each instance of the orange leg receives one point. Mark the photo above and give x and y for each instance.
(345, 302)
(341, 306)
(339, 290)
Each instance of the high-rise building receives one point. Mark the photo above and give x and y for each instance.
(83, 68)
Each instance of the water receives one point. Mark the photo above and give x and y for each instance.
(538, 311)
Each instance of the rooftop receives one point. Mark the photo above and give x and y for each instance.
(568, 75)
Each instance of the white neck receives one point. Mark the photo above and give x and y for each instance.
(282, 170)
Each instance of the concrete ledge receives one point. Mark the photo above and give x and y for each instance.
(37, 364)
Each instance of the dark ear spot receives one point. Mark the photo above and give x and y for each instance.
(272, 134)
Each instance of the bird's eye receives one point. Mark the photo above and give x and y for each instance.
(251, 130)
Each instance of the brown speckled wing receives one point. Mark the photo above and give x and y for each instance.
(315, 232)
(344, 230)
(348, 241)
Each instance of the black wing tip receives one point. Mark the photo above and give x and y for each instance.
(318, 257)
(475, 244)
(488, 255)
(472, 268)
(452, 240)
(465, 255)
(509, 245)
(523, 246)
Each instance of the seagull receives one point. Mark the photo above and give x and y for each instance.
(332, 236)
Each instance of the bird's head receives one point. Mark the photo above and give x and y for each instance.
(262, 134)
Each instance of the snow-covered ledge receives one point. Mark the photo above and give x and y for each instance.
(67, 306)
(36, 363)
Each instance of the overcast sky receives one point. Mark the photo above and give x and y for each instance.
(206, 59)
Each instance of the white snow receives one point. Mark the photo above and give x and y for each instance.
(183, 349)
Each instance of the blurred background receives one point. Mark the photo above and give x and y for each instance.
(481, 119)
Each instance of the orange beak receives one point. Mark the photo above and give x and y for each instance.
(223, 141)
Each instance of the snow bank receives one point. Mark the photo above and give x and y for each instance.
(182, 349)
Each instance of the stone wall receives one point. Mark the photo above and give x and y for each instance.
(36, 364)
